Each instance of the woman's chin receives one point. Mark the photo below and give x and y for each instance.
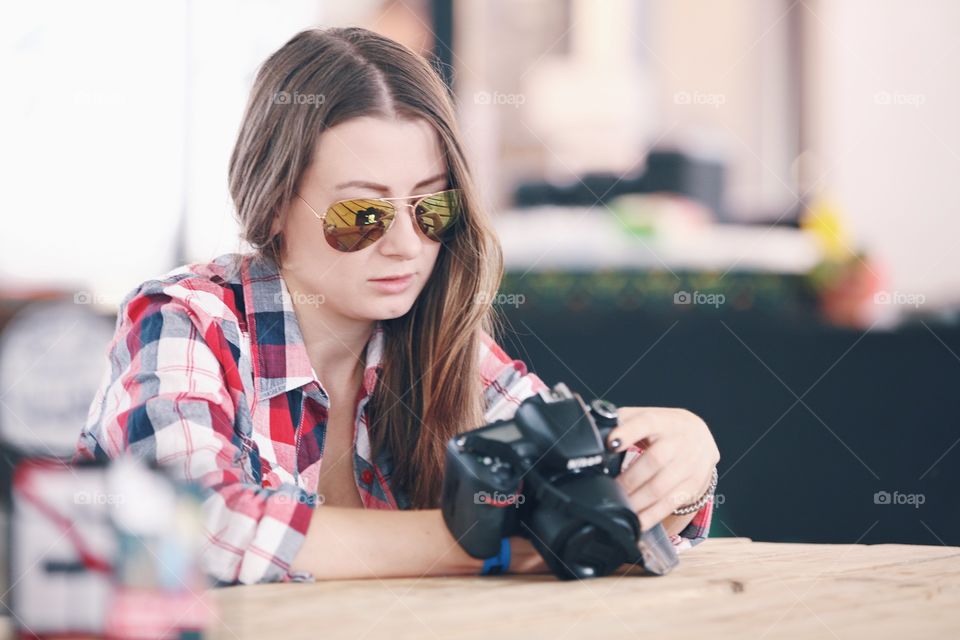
(389, 311)
(393, 313)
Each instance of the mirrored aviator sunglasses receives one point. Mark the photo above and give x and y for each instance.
(355, 224)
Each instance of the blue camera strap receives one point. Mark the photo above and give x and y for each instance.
(499, 563)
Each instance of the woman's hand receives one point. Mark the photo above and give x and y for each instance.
(676, 465)
(524, 558)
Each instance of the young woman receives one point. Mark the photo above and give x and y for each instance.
(311, 385)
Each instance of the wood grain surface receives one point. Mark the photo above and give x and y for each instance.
(724, 588)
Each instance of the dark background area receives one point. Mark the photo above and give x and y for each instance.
(876, 410)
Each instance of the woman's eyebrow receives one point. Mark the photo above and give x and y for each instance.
(365, 184)
(429, 181)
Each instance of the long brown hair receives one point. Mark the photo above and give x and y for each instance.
(430, 386)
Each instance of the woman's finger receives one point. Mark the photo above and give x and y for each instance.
(661, 486)
(654, 458)
(635, 424)
(654, 514)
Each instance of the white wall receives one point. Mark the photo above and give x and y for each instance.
(90, 116)
(886, 128)
(115, 116)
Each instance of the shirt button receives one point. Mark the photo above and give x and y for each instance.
(366, 476)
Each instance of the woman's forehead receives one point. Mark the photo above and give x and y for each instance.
(397, 154)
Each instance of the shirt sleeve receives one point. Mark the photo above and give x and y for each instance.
(169, 395)
(507, 383)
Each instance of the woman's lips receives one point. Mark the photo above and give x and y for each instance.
(392, 285)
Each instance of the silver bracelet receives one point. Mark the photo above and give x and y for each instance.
(696, 506)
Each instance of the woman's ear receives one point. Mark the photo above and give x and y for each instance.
(277, 225)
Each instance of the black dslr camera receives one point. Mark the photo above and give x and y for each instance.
(547, 476)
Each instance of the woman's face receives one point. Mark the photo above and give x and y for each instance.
(364, 158)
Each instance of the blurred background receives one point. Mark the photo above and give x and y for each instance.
(743, 207)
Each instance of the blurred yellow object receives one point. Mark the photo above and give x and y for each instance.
(848, 279)
(824, 220)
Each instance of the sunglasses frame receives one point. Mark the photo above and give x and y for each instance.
(413, 206)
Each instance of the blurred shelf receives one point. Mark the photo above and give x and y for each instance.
(580, 238)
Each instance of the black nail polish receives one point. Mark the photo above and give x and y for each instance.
(615, 443)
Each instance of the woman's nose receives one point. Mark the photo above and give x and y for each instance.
(403, 237)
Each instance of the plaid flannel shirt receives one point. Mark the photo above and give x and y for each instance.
(207, 374)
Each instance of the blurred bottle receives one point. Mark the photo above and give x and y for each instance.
(160, 590)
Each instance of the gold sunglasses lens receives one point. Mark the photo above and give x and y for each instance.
(437, 213)
(352, 225)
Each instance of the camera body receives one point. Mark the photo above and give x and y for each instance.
(546, 475)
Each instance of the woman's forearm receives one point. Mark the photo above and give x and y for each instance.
(344, 542)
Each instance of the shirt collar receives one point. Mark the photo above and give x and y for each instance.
(280, 358)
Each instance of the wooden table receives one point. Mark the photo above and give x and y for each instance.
(724, 588)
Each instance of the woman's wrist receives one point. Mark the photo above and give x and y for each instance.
(702, 499)
(525, 559)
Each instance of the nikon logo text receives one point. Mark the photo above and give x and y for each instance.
(585, 461)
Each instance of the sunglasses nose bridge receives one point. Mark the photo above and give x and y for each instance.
(401, 205)
(395, 207)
